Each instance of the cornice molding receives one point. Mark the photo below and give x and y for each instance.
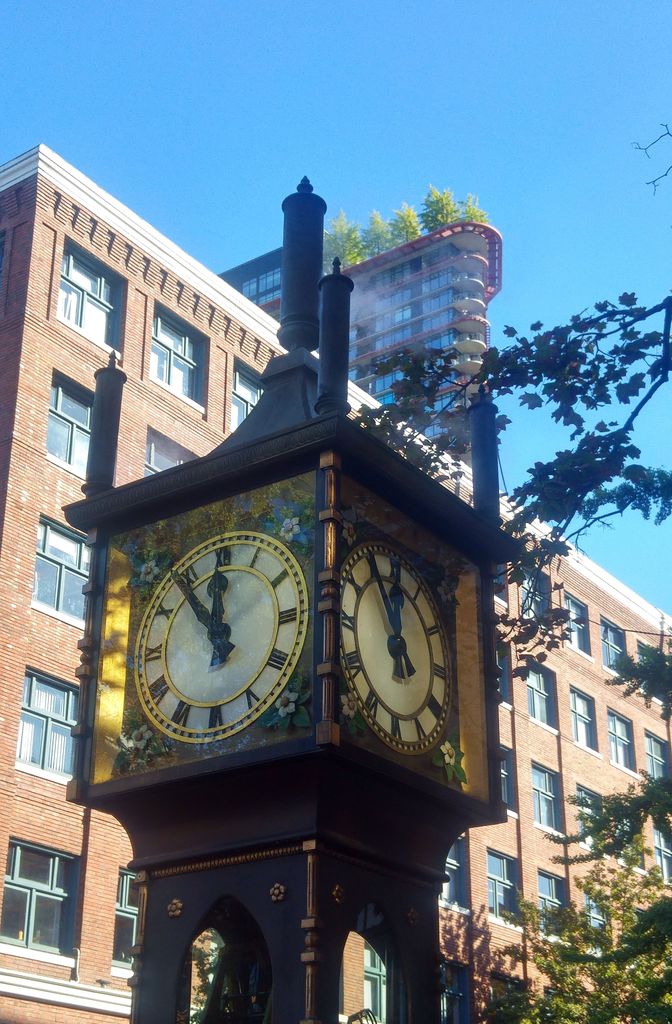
(38, 988)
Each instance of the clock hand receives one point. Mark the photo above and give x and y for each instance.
(198, 608)
(219, 631)
(393, 603)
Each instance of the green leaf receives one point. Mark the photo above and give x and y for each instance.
(301, 718)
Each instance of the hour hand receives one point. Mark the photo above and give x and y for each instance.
(375, 573)
(218, 630)
(198, 608)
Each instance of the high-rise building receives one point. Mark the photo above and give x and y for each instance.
(428, 295)
(81, 276)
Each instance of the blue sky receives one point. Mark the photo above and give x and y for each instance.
(202, 116)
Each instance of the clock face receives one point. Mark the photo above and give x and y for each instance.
(221, 636)
(394, 649)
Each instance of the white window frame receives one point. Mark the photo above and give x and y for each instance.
(541, 696)
(613, 643)
(546, 798)
(78, 433)
(81, 307)
(657, 760)
(44, 741)
(584, 722)
(177, 348)
(662, 849)
(245, 393)
(65, 570)
(125, 910)
(161, 449)
(621, 741)
(578, 624)
(502, 885)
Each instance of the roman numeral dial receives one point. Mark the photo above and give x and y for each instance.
(394, 648)
(221, 635)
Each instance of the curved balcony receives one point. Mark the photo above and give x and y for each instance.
(470, 344)
(463, 301)
(469, 281)
(467, 365)
(467, 322)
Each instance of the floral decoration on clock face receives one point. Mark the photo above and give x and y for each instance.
(205, 646)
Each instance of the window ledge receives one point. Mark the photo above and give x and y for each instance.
(588, 750)
(176, 394)
(42, 773)
(505, 704)
(511, 814)
(55, 461)
(582, 654)
(610, 671)
(46, 609)
(39, 955)
(82, 334)
(117, 971)
(548, 830)
(501, 600)
(628, 771)
(542, 725)
(493, 919)
(457, 907)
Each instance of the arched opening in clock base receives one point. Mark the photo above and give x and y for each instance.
(226, 976)
(371, 975)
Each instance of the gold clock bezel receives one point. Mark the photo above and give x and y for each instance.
(358, 675)
(282, 672)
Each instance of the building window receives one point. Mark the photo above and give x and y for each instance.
(551, 893)
(546, 797)
(587, 803)
(37, 900)
(500, 583)
(662, 848)
(656, 756)
(375, 983)
(502, 878)
(2, 251)
(455, 888)
(246, 393)
(89, 296)
(177, 356)
(454, 994)
(597, 918)
(504, 666)
(540, 696)
(49, 712)
(263, 288)
(613, 643)
(61, 570)
(579, 633)
(507, 777)
(621, 746)
(69, 424)
(125, 917)
(162, 453)
(535, 595)
(583, 719)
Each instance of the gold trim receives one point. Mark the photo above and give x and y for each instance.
(222, 862)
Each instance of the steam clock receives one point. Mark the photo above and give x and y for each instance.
(288, 685)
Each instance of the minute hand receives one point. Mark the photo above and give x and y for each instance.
(198, 608)
(218, 630)
(396, 645)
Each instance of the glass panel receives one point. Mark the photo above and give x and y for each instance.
(169, 336)
(31, 734)
(34, 865)
(182, 377)
(58, 755)
(238, 412)
(49, 698)
(158, 366)
(46, 582)
(75, 410)
(73, 598)
(132, 899)
(84, 558)
(95, 322)
(81, 276)
(65, 548)
(14, 907)
(69, 303)
(47, 921)
(58, 438)
(124, 938)
(80, 451)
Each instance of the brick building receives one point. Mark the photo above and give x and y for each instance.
(81, 275)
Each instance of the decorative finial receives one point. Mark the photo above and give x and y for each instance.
(304, 185)
(112, 361)
(336, 265)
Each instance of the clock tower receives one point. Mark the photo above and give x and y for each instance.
(288, 686)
